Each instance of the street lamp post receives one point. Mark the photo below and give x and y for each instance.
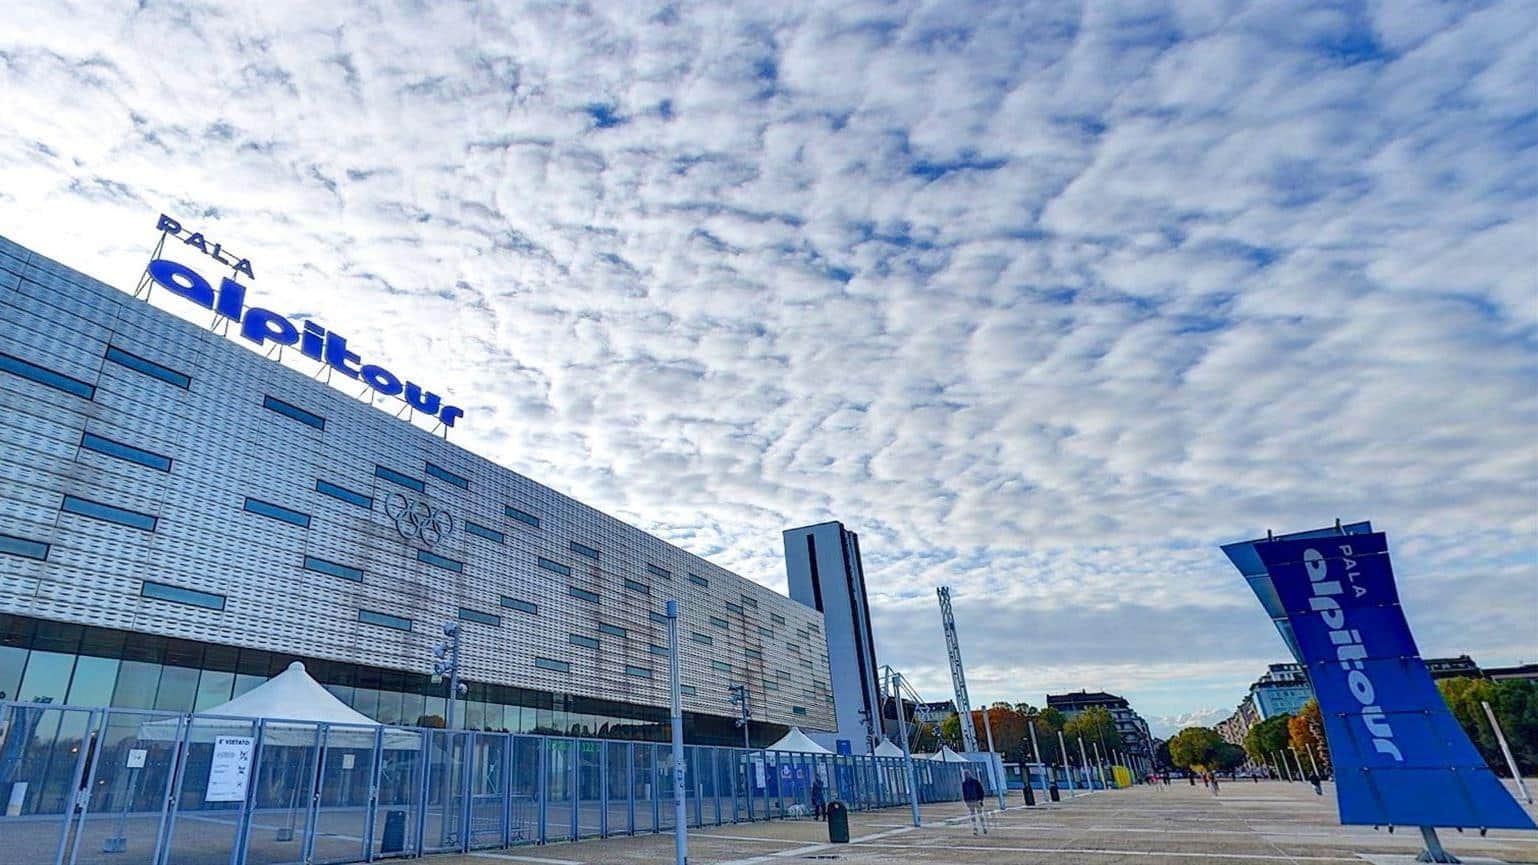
(680, 813)
(744, 711)
(1030, 725)
(446, 660)
(902, 733)
(1062, 750)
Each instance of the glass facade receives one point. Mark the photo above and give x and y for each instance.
(82, 665)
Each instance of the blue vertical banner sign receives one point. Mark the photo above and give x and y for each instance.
(1401, 758)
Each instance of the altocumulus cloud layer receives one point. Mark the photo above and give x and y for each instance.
(1044, 301)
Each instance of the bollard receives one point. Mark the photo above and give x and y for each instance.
(1030, 795)
(838, 823)
(394, 839)
(1052, 792)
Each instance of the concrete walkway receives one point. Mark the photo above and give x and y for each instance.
(1247, 824)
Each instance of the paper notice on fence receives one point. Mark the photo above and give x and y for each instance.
(230, 771)
(136, 757)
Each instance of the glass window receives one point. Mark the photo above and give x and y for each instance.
(634, 586)
(214, 688)
(659, 650)
(749, 602)
(396, 477)
(344, 494)
(584, 550)
(549, 664)
(47, 377)
(699, 581)
(293, 412)
(124, 452)
(686, 690)
(13, 659)
(719, 622)
(178, 689)
(798, 710)
(93, 682)
(611, 630)
(47, 677)
(447, 476)
(136, 685)
(765, 632)
(277, 512)
(470, 615)
(520, 605)
(753, 653)
(702, 639)
(659, 618)
(721, 666)
(583, 594)
(147, 367)
(444, 562)
(638, 672)
(108, 513)
(521, 516)
(322, 566)
(179, 595)
(777, 618)
(733, 608)
(584, 642)
(659, 572)
(481, 531)
(555, 567)
(22, 547)
(384, 620)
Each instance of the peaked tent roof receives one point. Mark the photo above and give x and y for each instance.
(946, 755)
(799, 742)
(292, 705)
(292, 696)
(887, 749)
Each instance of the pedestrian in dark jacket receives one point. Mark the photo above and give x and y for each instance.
(972, 793)
(819, 803)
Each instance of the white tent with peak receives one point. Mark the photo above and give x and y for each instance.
(292, 704)
(887, 749)
(946, 755)
(798, 742)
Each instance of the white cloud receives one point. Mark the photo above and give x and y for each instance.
(1045, 302)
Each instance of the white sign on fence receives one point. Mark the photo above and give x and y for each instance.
(347, 762)
(136, 757)
(230, 771)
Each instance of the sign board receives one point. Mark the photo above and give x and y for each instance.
(136, 757)
(1400, 757)
(347, 762)
(230, 770)
(758, 773)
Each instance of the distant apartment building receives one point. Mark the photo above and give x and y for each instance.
(1282, 690)
(1136, 742)
(935, 713)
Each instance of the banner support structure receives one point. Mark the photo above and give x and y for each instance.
(1434, 851)
(1506, 750)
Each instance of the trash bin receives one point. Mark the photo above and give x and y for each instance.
(838, 823)
(1052, 792)
(1030, 795)
(394, 840)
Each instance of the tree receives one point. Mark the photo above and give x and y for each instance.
(1268, 737)
(1226, 757)
(1515, 703)
(1194, 748)
(926, 738)
(1161, 757)
(1305, 734)
(1095, 724)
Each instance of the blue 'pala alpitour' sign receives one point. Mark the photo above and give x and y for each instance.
(263, 326)
(1400, 757)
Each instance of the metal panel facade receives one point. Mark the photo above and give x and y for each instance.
(226, 447)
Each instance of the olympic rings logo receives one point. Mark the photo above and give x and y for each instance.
(418, 520)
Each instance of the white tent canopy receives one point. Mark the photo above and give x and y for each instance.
(799, 742)
(292, 704)
(946, 755)
(887, 749)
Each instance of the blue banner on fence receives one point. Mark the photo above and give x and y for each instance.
(1400, 757)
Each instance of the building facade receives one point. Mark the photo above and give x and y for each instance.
(181, 517)
(1283, 689)
(1136, 741)
(822, 565)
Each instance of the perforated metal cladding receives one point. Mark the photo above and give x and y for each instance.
(225, 447)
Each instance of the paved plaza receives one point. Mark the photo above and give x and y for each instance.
(1247, 824)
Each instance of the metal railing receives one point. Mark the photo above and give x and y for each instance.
(134, 787)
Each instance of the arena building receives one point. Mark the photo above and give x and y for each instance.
(181, 517)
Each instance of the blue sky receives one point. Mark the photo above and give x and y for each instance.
(1046, 301)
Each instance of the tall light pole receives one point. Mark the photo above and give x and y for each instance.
(1062, 751)
(1030, 725)
(446, 661)
(998, 780)
(1084, 759)
(744, 710)
(680, 813)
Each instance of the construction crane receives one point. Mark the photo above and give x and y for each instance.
(958, 676)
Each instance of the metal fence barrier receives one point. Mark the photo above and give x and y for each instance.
(134, 787)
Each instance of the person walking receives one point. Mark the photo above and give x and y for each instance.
(819, 803)
(972, 794)
(1213, 782)
(1313, 779)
